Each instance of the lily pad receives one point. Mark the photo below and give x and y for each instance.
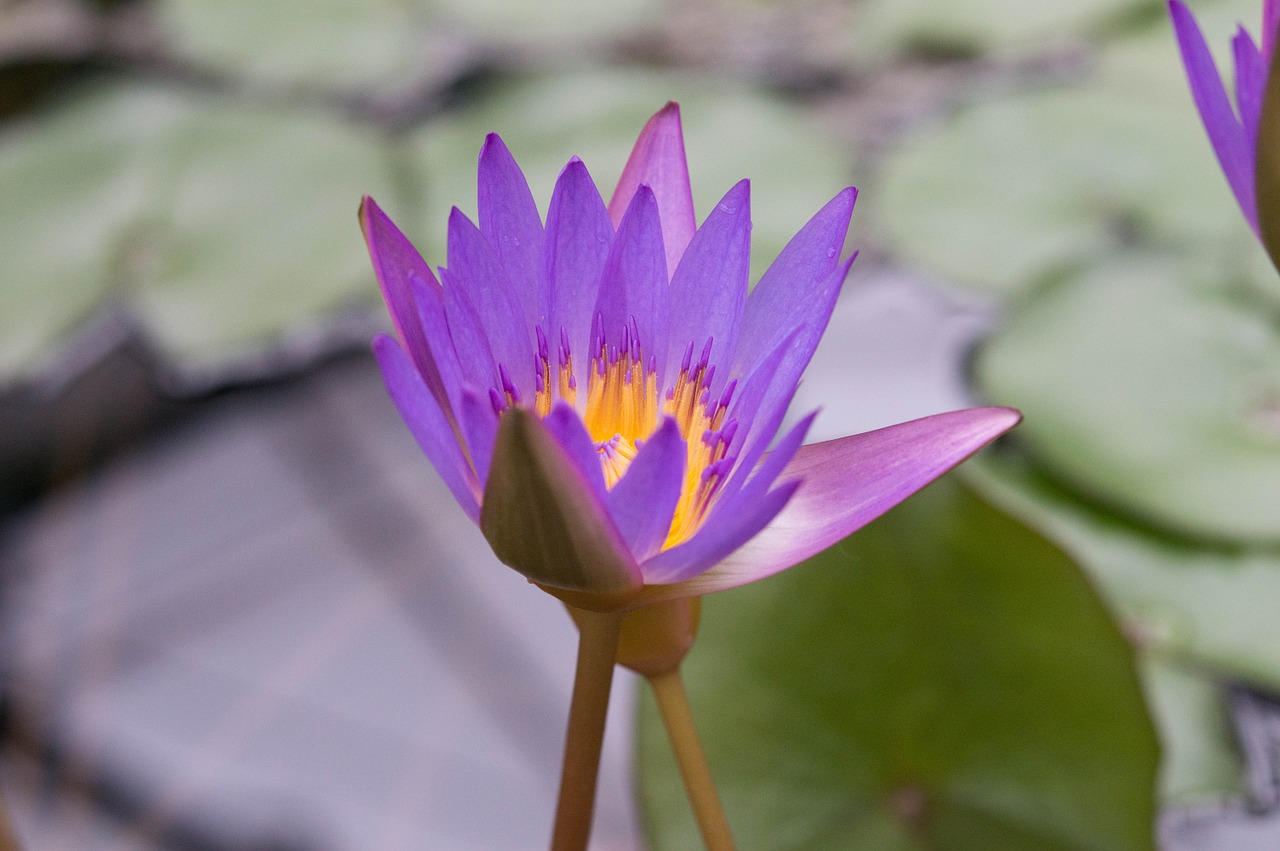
(981, 26)
(353, 44)
(340, 43)
(222, 226)
(1150, 384)
(1016, 185)
(1209, 607)
(1201, 762)
(731, 132)
(946, 678)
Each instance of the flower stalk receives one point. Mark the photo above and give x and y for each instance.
(597, 648)
(673, 704)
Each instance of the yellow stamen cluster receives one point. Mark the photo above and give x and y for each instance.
(622, 410)
(622, 397)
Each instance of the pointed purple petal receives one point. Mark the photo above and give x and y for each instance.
(479, 427)
(671, 569)
(709, 288)
(474, 266)
(397, 265)
(736, 518)
(579, 235)
(799, 288)
(846, 484)
(543, 519)
(422, 413)
(644, 500)
(567, 428)
(658, 161)
(634, 283)
(795, 358)
(467, 333)
(509, 221)
(1224, 129)
(1270, 21)
(1250, 80)
(428, 299)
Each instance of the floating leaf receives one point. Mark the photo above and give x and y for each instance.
(945, 678)
(221, 225)
(1213, 607)
(1148, 387)
(1201, 762)
(979, 26)
(1016, 185)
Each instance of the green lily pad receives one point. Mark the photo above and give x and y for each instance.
(1147, 387)
(982, 26)
(946, 678)
(1016, 185)
(1209, 607)
(1201, 762)
(340, 43)
(731, 132)
(352, 44)
(222, 226)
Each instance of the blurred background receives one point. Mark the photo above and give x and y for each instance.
(238, 609)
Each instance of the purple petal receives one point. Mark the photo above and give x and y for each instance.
(1270, 21)
(846, 484)
(567, 428)
(658, 161)
(644, 500)
(1224, 129)
(666, 570)
(1251, 78)
(799, 288)
(397, 264)
(579, 235)
(509, 221)
(543, 519)
(709, 288)
(796, 356)
(479, 424)
(422, 413)
(737, 519)
(634, 282)
(428, 298)
(466, 330)
(474, 266)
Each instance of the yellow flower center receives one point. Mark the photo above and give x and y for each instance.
(622, 410)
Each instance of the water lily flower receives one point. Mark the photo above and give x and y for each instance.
(603, 397)
(1233, 131)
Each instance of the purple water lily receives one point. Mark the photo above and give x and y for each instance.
(600, 393)
(1233, 132)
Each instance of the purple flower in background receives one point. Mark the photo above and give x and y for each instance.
(600, 393)
(1232, 131)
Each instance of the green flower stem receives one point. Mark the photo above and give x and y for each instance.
(597, 648)
(673, 703)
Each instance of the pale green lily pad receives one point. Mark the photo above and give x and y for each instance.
(946, 678)
(352, 44)
(339, 43)
(1200, 762)
(1213, 607)
(731, 132)
(222, 226)
(1156, 395)
(1014, 186)
(981, 26)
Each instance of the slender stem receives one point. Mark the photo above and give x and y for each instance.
(673, 703)
(597, 649)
